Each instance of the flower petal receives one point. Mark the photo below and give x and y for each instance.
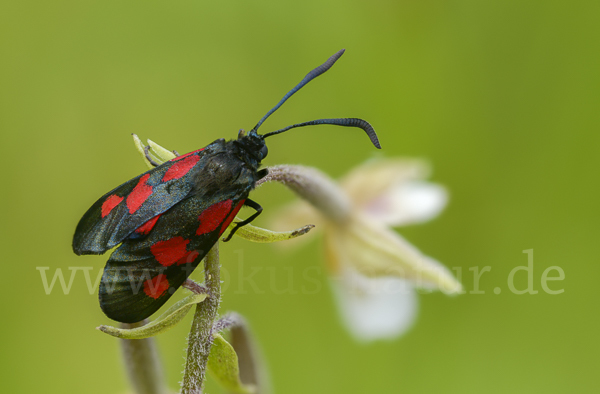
(374, 250)
(373, 178)
(375, 308)
(407, 203)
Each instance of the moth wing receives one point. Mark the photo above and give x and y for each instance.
(119, 212)
(142, 274)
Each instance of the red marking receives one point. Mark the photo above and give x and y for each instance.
(186, 155)
(148, 226)
(213, 216)
(231, 216)
(110, 204)
(139, 194)
(180, 168)
(170, 251)
(188, 257)
(156, 286)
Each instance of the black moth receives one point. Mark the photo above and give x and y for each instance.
(168, 218)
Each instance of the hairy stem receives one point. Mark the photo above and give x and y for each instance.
(200, 338)
(315, 187)
(142, 363)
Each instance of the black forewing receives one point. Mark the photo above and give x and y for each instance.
(142, 274)
(95, 233)
(133, 284)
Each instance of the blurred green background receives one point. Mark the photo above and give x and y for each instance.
(501, 96)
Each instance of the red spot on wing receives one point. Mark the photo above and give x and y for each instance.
(231, 216)
(180, 168)
(139, 194)
(186, 155)
(110, 203)
(148, 226)
(213, 216)
(170, 251)
(189, 258)
(156, 286)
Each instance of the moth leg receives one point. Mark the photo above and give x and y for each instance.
(252, 204)
(263, 173)
(147, 154)
(176, 153)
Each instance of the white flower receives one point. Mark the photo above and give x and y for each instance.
(374, 271)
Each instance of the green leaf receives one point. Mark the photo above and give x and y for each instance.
(156, 152)
(160, 152)
(262, 235)
(164, 322)
(223, 367)
(140, 148)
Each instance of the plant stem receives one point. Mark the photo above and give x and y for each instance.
(200, 338)
(142, 363)
(315, 187)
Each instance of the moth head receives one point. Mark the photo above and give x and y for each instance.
(254, 144)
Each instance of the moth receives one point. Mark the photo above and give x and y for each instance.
(168, 218)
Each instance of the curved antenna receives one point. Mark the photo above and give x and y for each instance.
(309, 77)
(348, 122)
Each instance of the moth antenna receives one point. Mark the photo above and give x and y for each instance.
(309, 77)
(348, 122)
